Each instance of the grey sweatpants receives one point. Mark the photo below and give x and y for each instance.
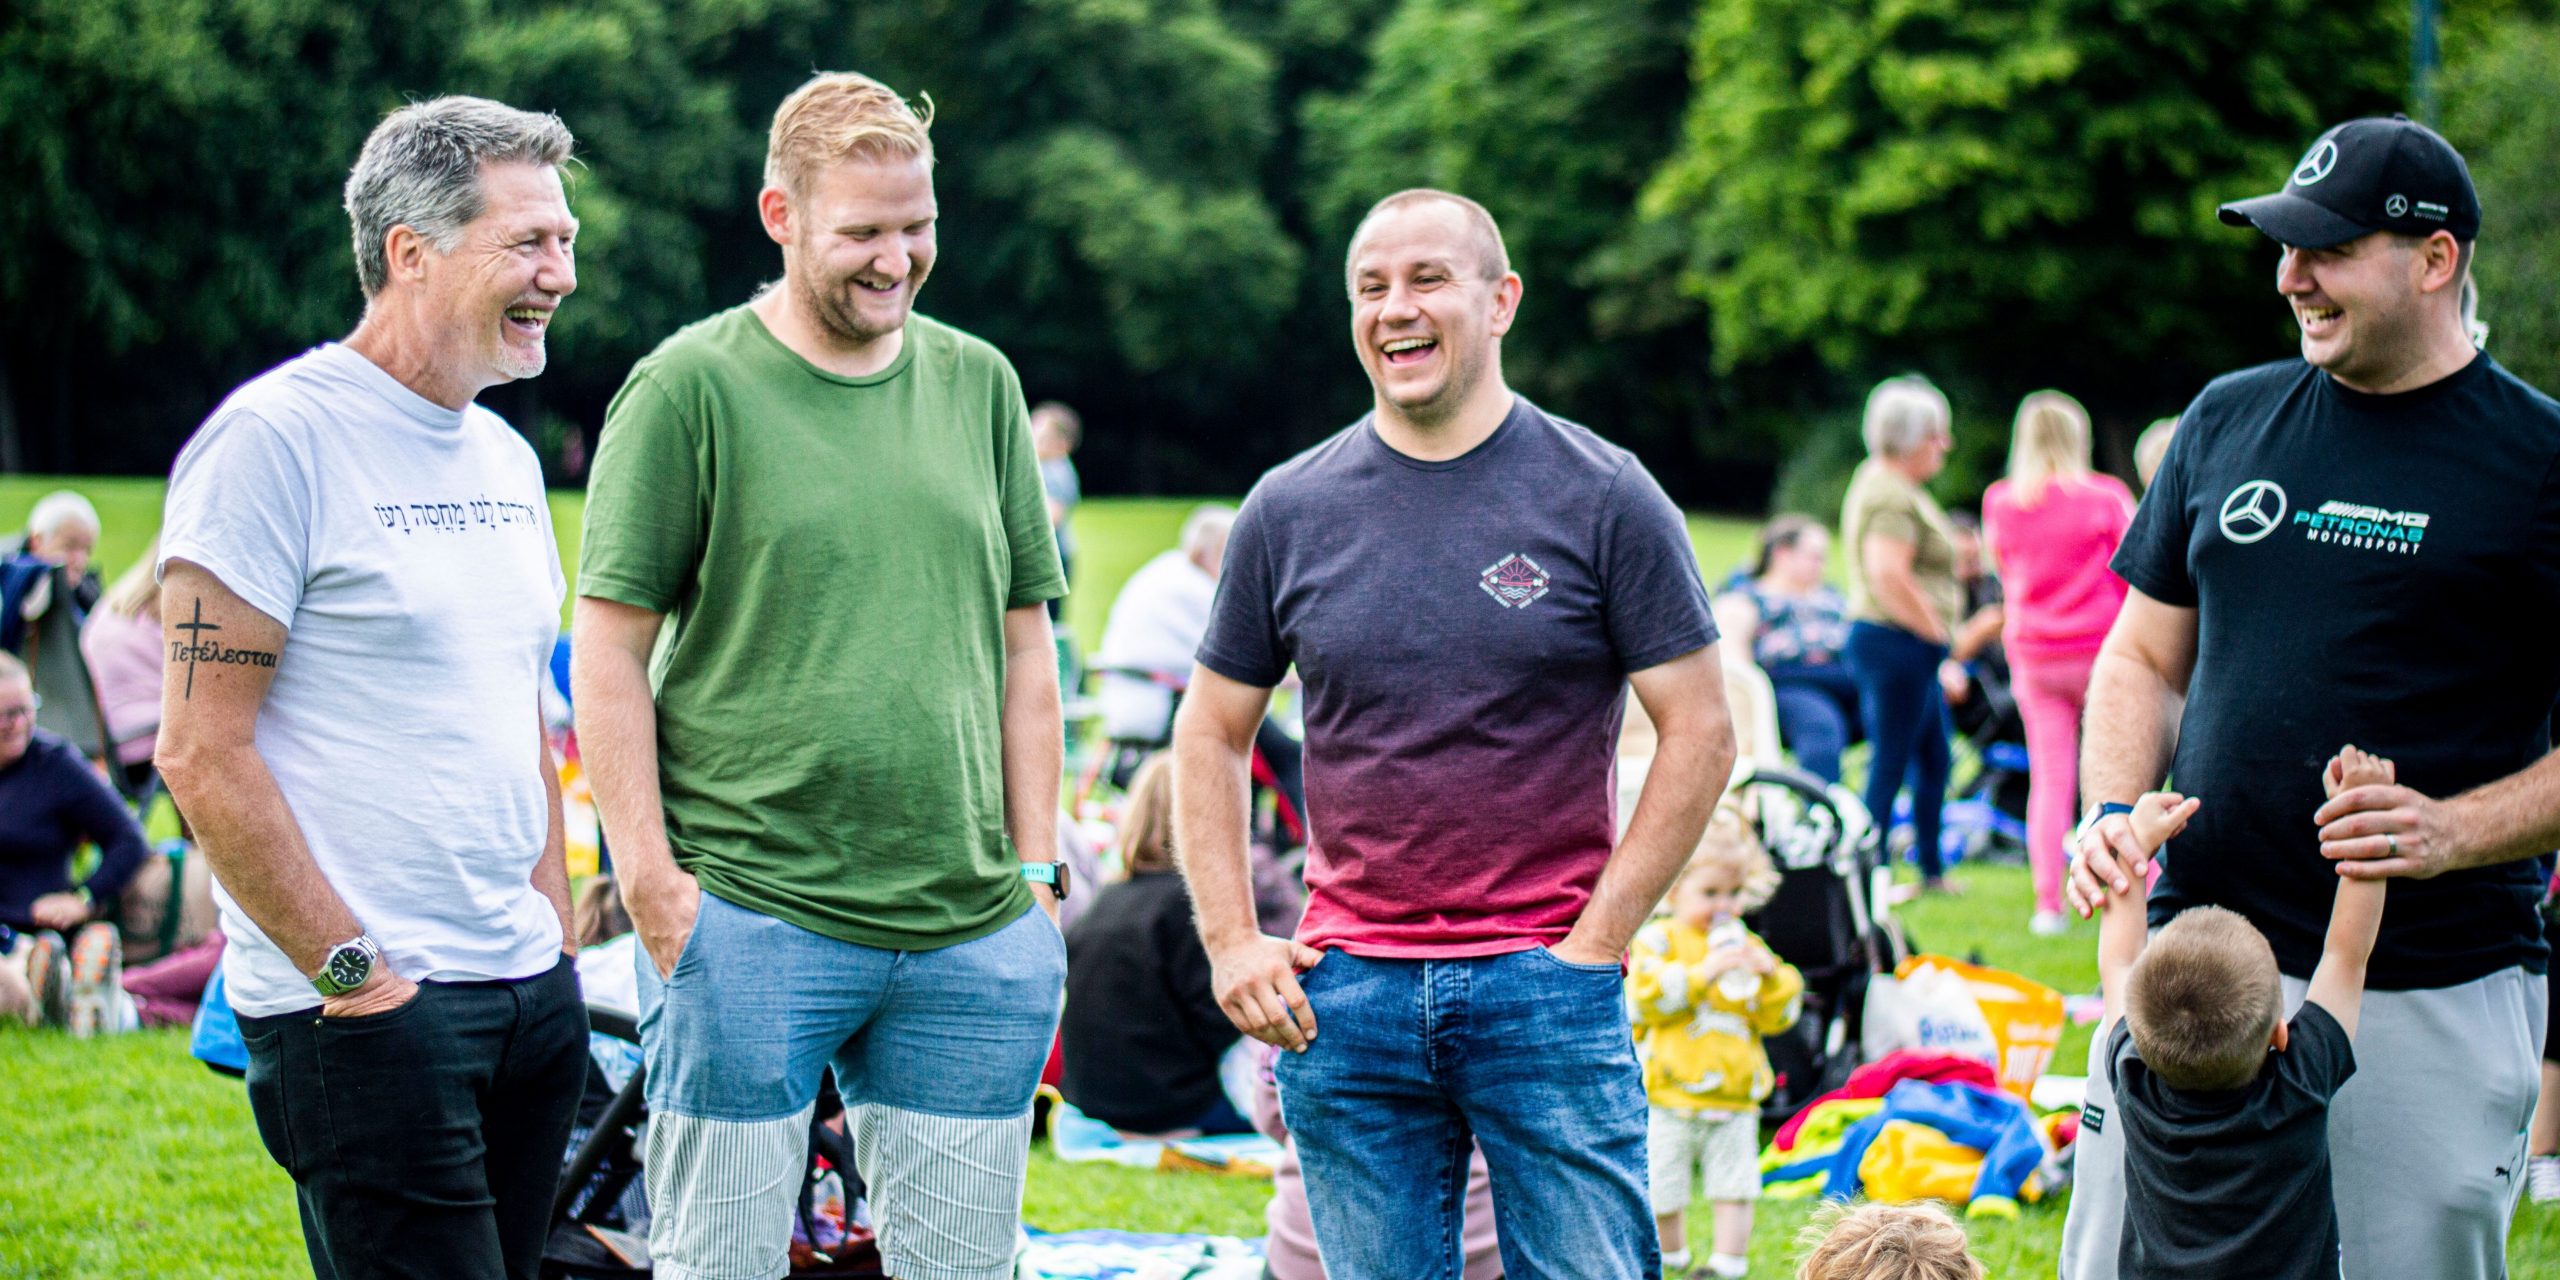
(2426, 1142)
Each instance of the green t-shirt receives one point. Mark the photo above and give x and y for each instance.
(1883, 500)
(835, 557)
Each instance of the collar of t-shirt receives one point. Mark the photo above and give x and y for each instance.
(2415, 397)
(354, 366)
(1484, 448)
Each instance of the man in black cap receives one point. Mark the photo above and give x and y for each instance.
(2360, 546)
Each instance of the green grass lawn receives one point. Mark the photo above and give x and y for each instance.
(129, 1159)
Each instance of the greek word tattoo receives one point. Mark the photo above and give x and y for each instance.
(196, 648)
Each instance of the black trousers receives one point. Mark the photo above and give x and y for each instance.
(425, 1142)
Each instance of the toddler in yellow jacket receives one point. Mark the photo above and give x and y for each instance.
(1702, 991)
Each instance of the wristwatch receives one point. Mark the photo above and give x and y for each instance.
(348, 965)
(1052, 874)
(2098, 813)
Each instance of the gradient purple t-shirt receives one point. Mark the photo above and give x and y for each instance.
(1465, 630)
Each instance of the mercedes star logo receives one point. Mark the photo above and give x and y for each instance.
(2396, 206)
(2253, 511)
(2316, 165)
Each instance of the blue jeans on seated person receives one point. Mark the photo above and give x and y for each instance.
(1817, 713)
(1524, 1054)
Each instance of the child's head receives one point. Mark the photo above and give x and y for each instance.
(597, 916)
(1729, 874)
(2203, 1001)
(1146, 828)
(1886, 1242)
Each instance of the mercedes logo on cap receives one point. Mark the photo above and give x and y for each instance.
(2396, 206)
(2317, 164)
(2253, 511)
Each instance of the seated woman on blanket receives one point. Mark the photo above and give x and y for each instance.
(62, 962)
(1143, 1032)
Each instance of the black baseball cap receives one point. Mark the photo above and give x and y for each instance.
(2374, 174)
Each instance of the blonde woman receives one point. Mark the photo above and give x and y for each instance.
(121, 642)
(2052, 526)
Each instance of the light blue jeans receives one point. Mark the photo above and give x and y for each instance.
(1524, 1054)
(936, 1054)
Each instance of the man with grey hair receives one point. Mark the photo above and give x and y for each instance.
(358, 581)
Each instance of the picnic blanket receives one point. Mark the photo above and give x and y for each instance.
(1130, 1255)
(1080, 1139)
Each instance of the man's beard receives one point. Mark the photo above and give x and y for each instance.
(835, 305)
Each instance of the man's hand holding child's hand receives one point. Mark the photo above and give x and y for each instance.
(2352, 768)
(2160, 815)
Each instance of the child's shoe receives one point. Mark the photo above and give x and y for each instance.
(49, 977)
(97, 957)
(2542, 1179)
(1723, 1266)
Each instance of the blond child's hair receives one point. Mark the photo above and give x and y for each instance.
(1146, 827)
(2203, 1001)
(1885, 1242)
(1730, 847)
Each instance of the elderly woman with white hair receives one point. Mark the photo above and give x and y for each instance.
(1904, 602)
(62, 534)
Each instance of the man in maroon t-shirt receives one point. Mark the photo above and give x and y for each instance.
(1467, 586)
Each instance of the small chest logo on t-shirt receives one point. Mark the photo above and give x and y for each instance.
(2365, 528)
(1514, 581)
(2093, 1117)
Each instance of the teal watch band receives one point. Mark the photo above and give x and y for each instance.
(1052, 874)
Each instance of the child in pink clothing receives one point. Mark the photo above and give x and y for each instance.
(2052, 526)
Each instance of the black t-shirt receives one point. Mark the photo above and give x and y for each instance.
(2233, 1183)
(1143, 1030)
(2375, 570)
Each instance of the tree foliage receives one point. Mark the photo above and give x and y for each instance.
(1731, 213)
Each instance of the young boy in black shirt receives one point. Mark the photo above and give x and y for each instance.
(2224, 1105)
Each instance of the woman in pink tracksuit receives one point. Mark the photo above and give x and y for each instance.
(2052, 526)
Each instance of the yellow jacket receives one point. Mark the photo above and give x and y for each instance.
(1701, 1047)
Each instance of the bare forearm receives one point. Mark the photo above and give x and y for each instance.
(1034, 753)
(2355, 921)
(618, 744)
(2122, 929)
(1210, 790)
(1977, 633)
(2130, 731)
(551, 871)
(2517, 816)
(1689, 773)
(254, 846)
(1898, 594)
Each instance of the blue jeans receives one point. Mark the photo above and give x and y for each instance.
(936, 1053)
(1906, 715)
(1523, 1054)
(1817, 713)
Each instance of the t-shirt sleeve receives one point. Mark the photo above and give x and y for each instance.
(642, 539)
(1891, 514)
(1037, 577)
(240, 506)
(2318, 1056)
(2153, 555)
(1654, 600)
(1243, 641)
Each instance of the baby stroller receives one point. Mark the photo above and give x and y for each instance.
(599, 1219)
(1830, 918)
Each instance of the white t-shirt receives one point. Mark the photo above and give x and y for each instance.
(407, 549)
(1156, 624)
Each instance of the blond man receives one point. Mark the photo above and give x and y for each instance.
(822, 513)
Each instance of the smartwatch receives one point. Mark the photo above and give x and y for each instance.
(1052, 874)
(2098, 813)
(348, 965)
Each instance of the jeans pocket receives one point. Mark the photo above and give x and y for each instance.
(269, 1095)
(371, 1022)
(686, 955)
(1612, 969)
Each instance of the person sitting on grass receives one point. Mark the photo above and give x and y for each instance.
(1703, 991)
(2223, 1103)
(1143, 1032)
(1886, 1242)
(50, 804)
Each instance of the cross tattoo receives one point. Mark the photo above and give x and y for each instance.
(195, 636)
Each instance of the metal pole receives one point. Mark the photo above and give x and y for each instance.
(2422, 61)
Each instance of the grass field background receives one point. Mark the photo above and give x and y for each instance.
(127, 1158)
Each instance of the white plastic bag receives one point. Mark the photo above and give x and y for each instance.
(1931, 1010)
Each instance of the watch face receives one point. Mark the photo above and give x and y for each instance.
(349, 967)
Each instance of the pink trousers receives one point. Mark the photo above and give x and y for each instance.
(2052, 690)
